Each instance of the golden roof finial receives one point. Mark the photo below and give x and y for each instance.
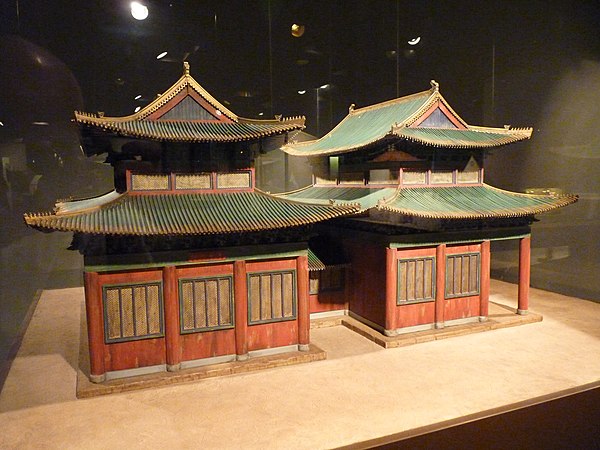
(186, 68)
(351, 108)
(435, 86)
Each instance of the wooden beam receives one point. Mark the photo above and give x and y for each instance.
(172, 329)
(95, 324)
(440, 284)
(484, 277)
(240, 292)
(303, 304)
(524, 274)
(391, 289)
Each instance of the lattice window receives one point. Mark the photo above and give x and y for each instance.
(416, 280)
(271, 296)
(332, 279)
(313, 282)
(193, 181)
(467, 176)
(441, 177)
(233, 180)
(206, 304)
(149, 182)
(414, 177)
(462, 275)
(132, 312)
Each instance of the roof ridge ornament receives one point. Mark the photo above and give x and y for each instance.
(186, 68)
(351, 108)
(435, 86)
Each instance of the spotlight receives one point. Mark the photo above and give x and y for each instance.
(161, 55)
(297, 30)
(138, 10)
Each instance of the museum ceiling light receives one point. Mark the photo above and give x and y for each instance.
(415, 41)
(302, 91)
(324, 86)
(138, 10)
(137, 108)
(161, 55)
(297, 30)
(137, 97)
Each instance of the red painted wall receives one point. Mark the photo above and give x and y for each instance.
(366, 280)
(206, 344)
(275, 334)
(131, 354)
(464, 307)
(329, 301)
(410, 315)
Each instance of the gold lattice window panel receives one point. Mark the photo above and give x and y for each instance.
(149, 182)
(414, 177)
(233, 180)
(441, 177)
(271, 296)
(470, 176)
(193, 181)
(462, 275)
(206, 304)
(416, 280)
(132, 312)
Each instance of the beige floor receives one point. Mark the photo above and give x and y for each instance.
(360, 392)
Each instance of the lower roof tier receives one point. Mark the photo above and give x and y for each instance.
(452, 202)
(184, 214)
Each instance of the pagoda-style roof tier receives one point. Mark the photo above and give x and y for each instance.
(425, 118)
(448, 202)
(183, 214)
(186, 112)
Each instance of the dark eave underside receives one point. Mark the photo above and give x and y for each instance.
(189, 214)
(194, 131)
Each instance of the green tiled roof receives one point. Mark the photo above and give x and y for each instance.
(184, 214)
(399, 119)
(314, 263)
(454, 138)
(365, 197)
(362, 127)
(189, 131)
(186, 112)
(470, 202)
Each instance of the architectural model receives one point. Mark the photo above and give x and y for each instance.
(186, 263)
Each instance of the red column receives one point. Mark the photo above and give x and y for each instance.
(391, 291)
(172, 332)
(524, 274)
(95, 325)
(440, 284)
(484, 292)
(240, 293)
(303, 308)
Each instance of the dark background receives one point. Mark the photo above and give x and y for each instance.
(533, 63)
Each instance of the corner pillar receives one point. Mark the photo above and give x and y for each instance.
(303, 309)
(172, 334)
(484, 300)
(524, 274)
(95, 326)
(391, 289)
(440, 284)
(240, 293)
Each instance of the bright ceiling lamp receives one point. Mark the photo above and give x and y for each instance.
(138, 10)
(161, 55)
